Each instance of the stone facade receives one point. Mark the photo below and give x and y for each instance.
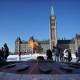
(44, 45)
(23, 46)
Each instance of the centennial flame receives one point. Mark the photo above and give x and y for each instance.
(34, 45)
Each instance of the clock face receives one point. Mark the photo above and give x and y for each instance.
(52, 18)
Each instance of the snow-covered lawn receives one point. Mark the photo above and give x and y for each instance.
(24, 57)
(34, 56)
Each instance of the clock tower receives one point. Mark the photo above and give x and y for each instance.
(53, 29)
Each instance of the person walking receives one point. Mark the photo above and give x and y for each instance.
(49, 54)
(78, 54)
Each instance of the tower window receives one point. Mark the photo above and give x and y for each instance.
(53, 24)
(53, 29)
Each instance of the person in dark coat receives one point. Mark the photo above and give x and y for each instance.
(6, 51)
(69, 55)
(56, 53)
(61, 55)
(49, 54)
(78, 54)
(2, 53)
(0, 56)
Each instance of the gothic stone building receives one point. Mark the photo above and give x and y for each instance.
(44, 45)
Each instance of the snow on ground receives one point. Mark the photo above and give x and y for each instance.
(34, 56)
(24, 57)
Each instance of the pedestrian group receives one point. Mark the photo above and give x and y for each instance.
(4, 53)
(59, 55)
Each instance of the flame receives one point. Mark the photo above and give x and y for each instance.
(34, 45)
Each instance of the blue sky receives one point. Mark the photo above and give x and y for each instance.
(26, 18)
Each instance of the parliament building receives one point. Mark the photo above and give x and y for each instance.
(42, 46)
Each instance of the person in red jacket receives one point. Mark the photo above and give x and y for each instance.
(19, 54)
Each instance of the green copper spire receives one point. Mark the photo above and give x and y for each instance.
(52, 11)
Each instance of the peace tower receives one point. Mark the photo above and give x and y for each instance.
(53, 29)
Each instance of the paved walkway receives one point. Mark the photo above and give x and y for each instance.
(11, 76)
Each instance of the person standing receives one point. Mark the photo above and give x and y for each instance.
(19, 54)
(61, 55)
(0, 56)
(56, 53)
(2, 53)
(49, 54)
(78, 54)
(69, 55)
(6, 52)
(65, 55)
